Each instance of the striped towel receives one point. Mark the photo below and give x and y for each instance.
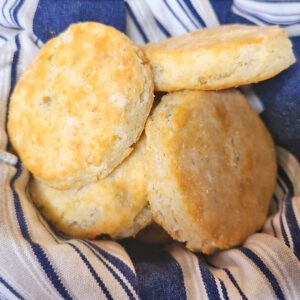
(38, 263)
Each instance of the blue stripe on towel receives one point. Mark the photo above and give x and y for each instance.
(194, 12)
(232, 279)
(289, 211)
(60, 239)
(265, 270)
(15, 12)
(187, 14)
(36, 248)
(120, 265)
(11, 9)
(13, 76)
(99, 253)
(3, 37)
(224, 290)
(93, 272)
(112, 271)
(162, 28)
(234, 282)
(210, 284)
(3, 12)
(175, 15)
(282, 228)
(10, 288)
(137, 24)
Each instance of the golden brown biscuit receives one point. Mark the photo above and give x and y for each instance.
(211, 168)
(116, 206)
(218, 58)
(80, 105)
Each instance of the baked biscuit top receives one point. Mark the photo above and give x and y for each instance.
(80, 105)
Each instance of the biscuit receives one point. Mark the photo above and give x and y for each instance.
(80, 105)
(116, 205)
(218, 58)
(211, 169)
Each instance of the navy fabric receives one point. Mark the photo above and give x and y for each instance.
(281, 98)
(225, 14)
(159, 274)
(53, 17)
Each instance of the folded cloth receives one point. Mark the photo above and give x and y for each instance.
(38, 263)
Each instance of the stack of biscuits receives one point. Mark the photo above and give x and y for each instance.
(107, 160)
